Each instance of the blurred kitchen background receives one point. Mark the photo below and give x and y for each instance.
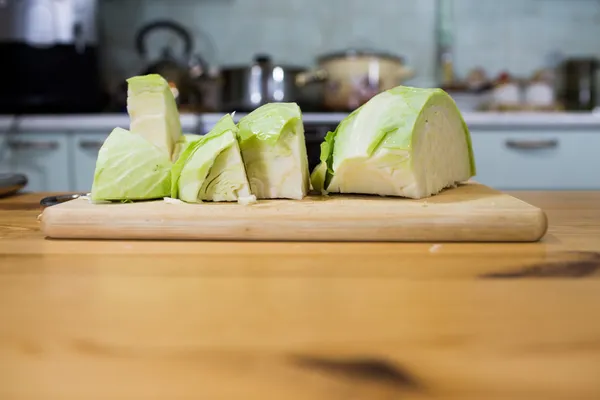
(523, 72)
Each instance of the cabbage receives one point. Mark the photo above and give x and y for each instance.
(130, 168)
(406, 141)
(183, 143)
(211, 168)
(274, 151)
(153, 111)
(191, 137)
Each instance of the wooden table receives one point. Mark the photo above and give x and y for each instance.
(86, 320)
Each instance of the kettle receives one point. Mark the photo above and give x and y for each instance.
(182, 73)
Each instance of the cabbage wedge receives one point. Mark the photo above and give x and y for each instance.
(153, 112)
(130, 168)
(407, 142)
(211, 168)
(183, 143)
(274, 151)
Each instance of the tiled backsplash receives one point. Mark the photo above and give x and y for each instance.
(517, 35)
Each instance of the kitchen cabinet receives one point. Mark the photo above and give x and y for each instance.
(533, 159)
(43, 157)
(85, 152)
(511, 152)
(58, 153)
(4, 154)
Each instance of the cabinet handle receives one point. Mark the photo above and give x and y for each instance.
(27, 145)
(90, 145)
(532, 144)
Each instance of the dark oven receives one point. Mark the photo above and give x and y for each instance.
(315, 134)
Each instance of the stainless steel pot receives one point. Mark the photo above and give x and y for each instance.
(354, 76)
(245, 88)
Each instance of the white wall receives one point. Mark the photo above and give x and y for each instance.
(517, 35)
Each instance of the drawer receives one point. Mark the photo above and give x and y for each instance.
(42, 157)
(85, 154)
(538, 160)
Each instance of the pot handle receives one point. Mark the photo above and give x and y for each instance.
(404, 73)
(306, 78)
(163, 24)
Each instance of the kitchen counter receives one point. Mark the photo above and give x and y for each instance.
(199, 122)
(177, 320)
(80, 122)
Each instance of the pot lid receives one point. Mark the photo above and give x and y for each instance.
(359, 52)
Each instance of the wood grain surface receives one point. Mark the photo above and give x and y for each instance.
(471, 212)
(274, 320)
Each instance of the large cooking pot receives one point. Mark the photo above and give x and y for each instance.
(245, 88)
(355, 76)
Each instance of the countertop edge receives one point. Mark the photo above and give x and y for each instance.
(192, 123)
(80, 122)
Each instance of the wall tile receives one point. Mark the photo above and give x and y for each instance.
(516, 35)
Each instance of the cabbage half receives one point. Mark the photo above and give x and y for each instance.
(274, 151)
(153, 111)
(130, 168)
(406, 141)
(211, 168)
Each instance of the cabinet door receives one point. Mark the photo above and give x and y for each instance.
(42, 157)
(5, 153)
(535, 160)
(85, 150)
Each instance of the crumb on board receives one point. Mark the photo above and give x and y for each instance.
(435, 248)
(170, 200)
(88, 197)
(247, 200)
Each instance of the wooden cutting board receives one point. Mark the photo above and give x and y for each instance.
(470, 212)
